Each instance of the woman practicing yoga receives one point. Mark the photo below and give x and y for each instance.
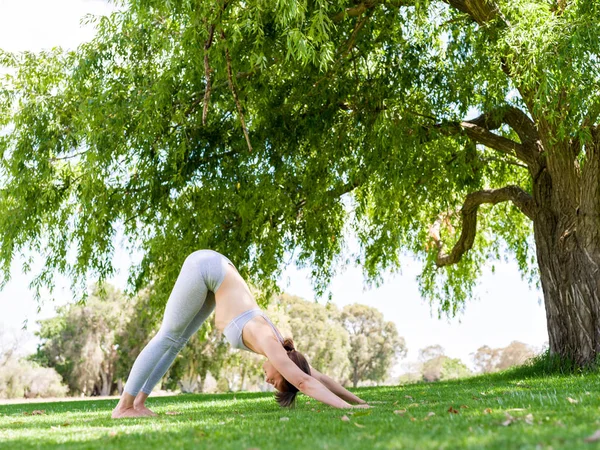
(209, 281)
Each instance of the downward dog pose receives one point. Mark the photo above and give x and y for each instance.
(209, 281)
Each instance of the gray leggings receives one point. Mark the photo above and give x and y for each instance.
(191, 301)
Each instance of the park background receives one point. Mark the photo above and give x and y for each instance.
(504, 309)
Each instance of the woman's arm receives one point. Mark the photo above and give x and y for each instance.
(305, 383)
(335, 387)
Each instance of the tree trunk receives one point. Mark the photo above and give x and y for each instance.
(243, 382)
(106, 383)
(567, 238)
(355, 377)
(202, 379)
(570, 285)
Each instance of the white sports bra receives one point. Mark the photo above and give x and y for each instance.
(233, 331)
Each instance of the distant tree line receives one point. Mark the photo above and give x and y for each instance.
(88, 349)
(435, 365)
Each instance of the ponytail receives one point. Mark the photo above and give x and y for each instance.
(287, 396)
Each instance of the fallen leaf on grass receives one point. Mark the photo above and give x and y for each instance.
(529, 419)
(345, 418)
(412, 419)
(572, 400)
(430, 414)
(359, 425)
(464, 406)
(452, 410)
(172, 413)
(487, 411)
(283, 419)
(516, 409)
(364, 412)
(400, 412)
(509, 420)
(408, 397)
(594, 437)
(36, 412)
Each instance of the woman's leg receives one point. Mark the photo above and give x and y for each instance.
(184, 312)
(168, 358)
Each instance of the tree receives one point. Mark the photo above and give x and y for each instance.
(318, 333)
(456, 129)
(431, 352)
(515, 354)
(374, 343)
(26, 379)
(141, 324)
(436, 366)
(442, 367)
(488, 359)
(242, 371)
(205, 352)
(80, 342)
(22, 378)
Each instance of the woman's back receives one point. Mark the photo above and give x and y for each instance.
(233, 297)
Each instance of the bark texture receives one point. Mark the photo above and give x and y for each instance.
(564, 204)
(565, 209)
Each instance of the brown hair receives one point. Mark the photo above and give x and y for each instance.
(287, 396)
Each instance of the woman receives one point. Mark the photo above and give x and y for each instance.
(209, 281)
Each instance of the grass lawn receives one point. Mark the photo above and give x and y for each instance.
(501, 411)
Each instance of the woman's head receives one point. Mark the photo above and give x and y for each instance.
(286, 392)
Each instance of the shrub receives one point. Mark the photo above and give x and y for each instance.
(19, 379)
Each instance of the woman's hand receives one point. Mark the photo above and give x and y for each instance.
(361, 405)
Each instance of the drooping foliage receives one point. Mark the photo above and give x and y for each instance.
(269, 128)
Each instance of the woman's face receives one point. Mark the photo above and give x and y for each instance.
(272, 376)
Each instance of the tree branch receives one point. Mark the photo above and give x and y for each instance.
(518, 196)
(235, 95)
(359, 9)
(479, 130)
(504, 145)
(207, 71)
(481, 11)
(514, 118)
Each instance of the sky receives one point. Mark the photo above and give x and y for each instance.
(506, 308)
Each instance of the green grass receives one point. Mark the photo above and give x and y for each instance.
(542, 418)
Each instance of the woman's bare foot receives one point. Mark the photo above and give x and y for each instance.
(119, 413)
(144, 410)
